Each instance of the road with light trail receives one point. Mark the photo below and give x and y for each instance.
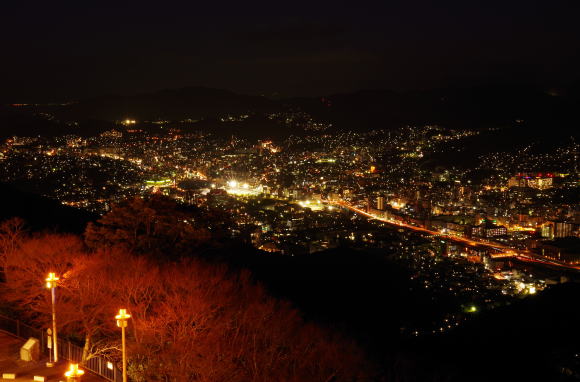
(522, 255)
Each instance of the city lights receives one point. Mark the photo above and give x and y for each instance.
(241, 189)
(311, 192)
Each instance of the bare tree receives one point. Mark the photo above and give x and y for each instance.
(12, 233)
(191, 321)
(155, 226)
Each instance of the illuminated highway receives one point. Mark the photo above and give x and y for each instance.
(502, 250)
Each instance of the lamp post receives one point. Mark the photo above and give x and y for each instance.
(122, 318)
(51, 284)
(73, 373)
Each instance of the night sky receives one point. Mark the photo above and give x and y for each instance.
(63, 50)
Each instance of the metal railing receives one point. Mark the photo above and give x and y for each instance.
(66, 349)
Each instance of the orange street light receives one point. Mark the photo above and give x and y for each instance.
(122, 318)
(51, 284)
(74, 374)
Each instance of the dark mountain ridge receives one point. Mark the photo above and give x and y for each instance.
(171, 104)
(489, 106)
(494, 105)
(40, 213)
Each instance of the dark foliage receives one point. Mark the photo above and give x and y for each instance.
(41, 213)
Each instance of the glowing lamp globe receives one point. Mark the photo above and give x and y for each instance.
(51, 280)
(74, 371)
(122, 318)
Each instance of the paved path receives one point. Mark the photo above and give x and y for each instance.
(25, 371)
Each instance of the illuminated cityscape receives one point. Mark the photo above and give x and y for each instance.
(361, 206)
(311, 180)
(479, 242)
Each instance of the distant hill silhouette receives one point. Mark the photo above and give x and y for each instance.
(41, 213)
(172, 104)
(538, 111)
(491, 106)
(25, 121)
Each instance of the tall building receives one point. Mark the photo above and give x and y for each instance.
(563, 229)
(381, 203)
(548, 231)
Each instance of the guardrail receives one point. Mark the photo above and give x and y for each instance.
(66, 349)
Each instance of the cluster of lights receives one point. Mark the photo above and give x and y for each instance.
(129, 122)
(235, 184)
(236, 188)
(526, 288)
(313, 205)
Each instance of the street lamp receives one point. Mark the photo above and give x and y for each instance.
(122, 318)
(74, 374)
(51, 284)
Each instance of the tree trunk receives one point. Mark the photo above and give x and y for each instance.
(86, 348)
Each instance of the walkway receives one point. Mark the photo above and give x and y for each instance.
(25, 371)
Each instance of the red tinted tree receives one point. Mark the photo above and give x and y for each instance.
(156, 226)
(191, 321)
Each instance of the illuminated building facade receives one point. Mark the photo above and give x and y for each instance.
(539, 181)
(381, 203)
